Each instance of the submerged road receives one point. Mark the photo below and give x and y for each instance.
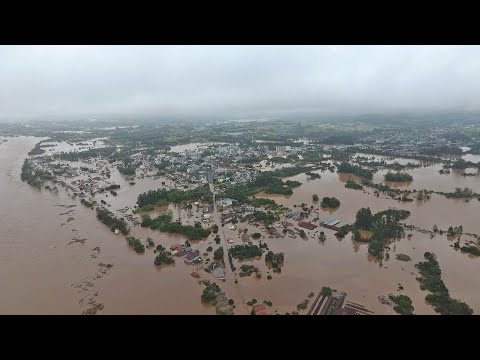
(230, 275)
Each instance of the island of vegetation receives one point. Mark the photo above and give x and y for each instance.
(246, 251)
(398, 177)
(403, 257)
(34, 176)
(472, 249)
(247, 270)
(384, 225)
(209, 294)
(164, 197)
(266, 182)
(163, 256)
(109, 219)
(136, 244)
(431, 280)
(330, 202)
(163, 223)
(275, 260)
(348, 168)
(403, 304)
(352, 184)
(313, 175)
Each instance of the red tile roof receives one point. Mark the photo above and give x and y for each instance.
(260, 309)
(307, 225)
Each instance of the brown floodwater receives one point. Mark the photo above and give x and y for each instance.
(43, 272)
(429, 178)
(373, 280)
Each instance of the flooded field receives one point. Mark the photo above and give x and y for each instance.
(49, 265)
(429, 178)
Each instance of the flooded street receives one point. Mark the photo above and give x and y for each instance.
(49, 265)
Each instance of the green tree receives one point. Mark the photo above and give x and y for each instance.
(218, 254)
(322, 237)
(326, 291)
(364, 218)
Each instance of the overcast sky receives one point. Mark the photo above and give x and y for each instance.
(91, 81)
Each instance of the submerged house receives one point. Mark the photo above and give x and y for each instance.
(192, 256)
(225, 202)
(227, 218)
(221, 274)
(292, 214)
(307, 225)
(261, 309)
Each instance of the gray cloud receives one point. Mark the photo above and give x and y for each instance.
(44, 81)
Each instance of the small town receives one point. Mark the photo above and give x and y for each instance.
(265, 180)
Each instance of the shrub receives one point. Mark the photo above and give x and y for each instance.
(402, 257)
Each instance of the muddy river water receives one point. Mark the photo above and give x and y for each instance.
(41, 273)
(49, 265)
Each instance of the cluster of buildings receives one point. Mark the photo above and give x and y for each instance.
(189, 255)
(406, 142)
(336, 304)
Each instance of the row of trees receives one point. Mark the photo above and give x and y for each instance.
(112, 187)
(431, 280)
(268, 181)
(247, 270)
(162, 196)
(246, 251)
(37, 150)
(268, 218)
(163, 223)
(87, 203)
(136, 244)
(460, 193)
(346, 167)
(109, 219)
